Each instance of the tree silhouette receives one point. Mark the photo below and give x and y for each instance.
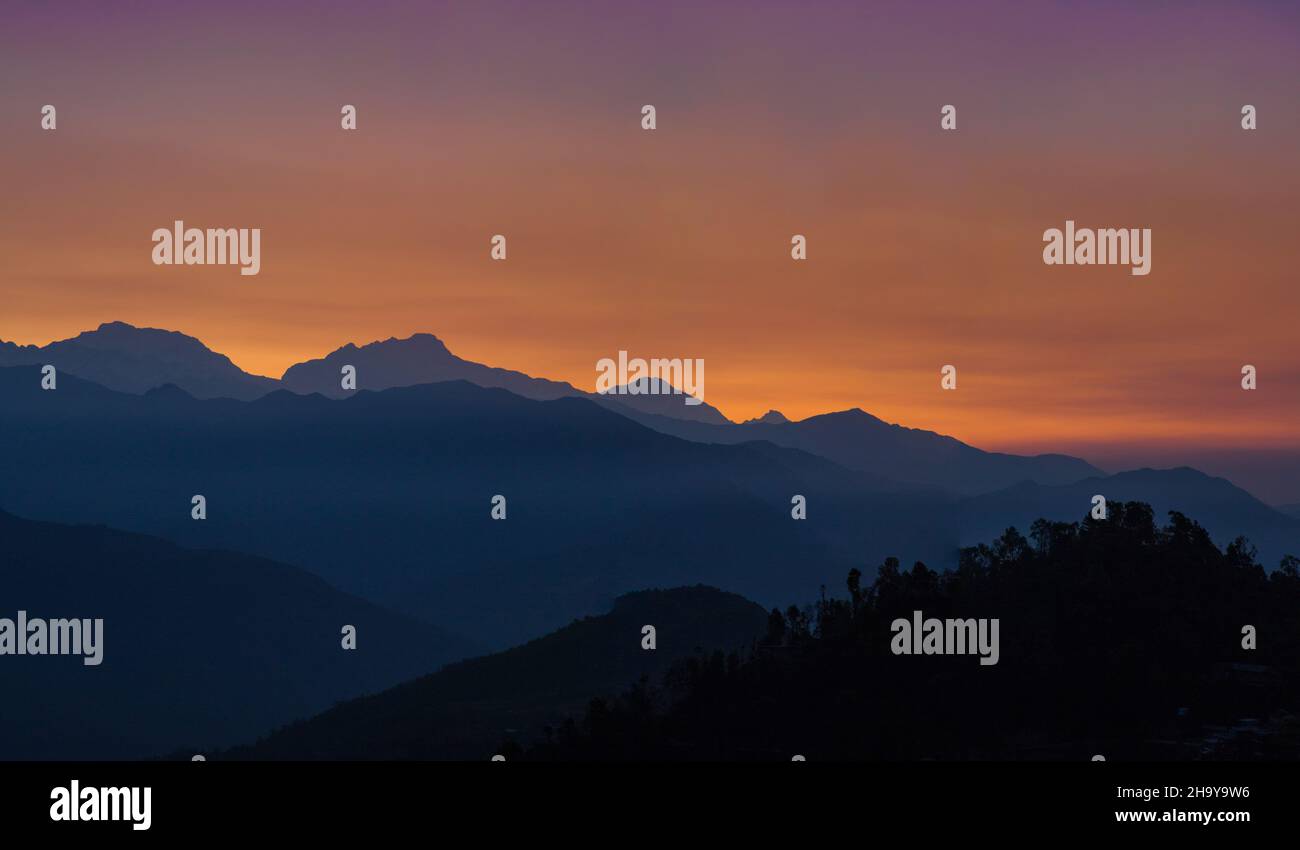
(1116, 635)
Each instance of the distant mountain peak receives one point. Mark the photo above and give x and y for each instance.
(115, 328)
(419, 343)
(126, 358)
(118, 333)
(772, 417)
(645, 386)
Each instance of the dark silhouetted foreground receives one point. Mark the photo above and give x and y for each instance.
(1117, 638)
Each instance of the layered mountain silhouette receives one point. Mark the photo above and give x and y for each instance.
(424, 359)
(467, 709)
(858, 440)
(419, 359)
(388, 495)
(134, 360)
(198, 647)
(130, 359)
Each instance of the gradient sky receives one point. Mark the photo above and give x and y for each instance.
(773, 119)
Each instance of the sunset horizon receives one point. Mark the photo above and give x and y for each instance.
(393, 388)
(924, 247)
(1267, 469)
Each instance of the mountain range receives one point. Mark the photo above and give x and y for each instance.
(388, 495)
(909, 456)
(424, 359)
(121, 357)
(382, 508)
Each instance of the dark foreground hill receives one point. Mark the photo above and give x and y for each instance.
(198, 647)
(467, 709)
(1116, 638)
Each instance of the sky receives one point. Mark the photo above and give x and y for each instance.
(773, 119)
